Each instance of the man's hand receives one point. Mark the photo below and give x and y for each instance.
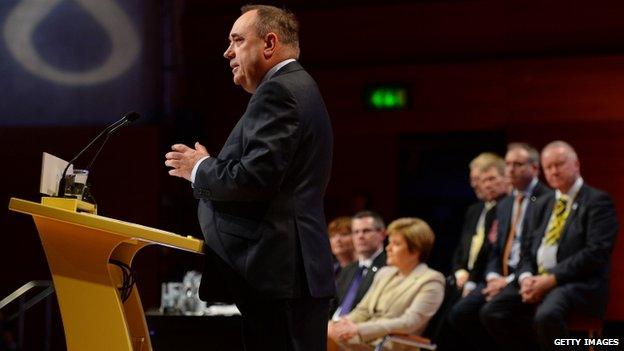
(526, 287)
(183, 158)
(537, 287)
(461, 276)
(494, 286)
(467, 290)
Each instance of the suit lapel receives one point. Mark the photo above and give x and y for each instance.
(367, 280)
(349, 273)
(541, 230)
(576, 203)
(378, 292)
(404, 287)
(505, 221)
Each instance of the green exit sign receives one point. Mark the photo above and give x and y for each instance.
(387, 97)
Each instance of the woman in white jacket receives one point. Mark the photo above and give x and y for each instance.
(404, 295)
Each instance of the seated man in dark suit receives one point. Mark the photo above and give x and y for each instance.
(471, 255)
(369, 232)
(522, 169)
(564, 263)
(478, 232)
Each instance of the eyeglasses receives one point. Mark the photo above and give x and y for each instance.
(516, 164)
(365, 231)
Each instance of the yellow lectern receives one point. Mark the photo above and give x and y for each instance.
(78, 246)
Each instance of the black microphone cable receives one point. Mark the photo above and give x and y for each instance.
(128, 279)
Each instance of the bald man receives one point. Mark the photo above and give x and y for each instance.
(565, 258)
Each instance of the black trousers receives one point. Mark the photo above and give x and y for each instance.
(519, 326)
(464, 317)
(298, 324)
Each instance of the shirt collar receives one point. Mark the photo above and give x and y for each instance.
(573, 190)
(528, 190)
(275, 68)
(367, 262)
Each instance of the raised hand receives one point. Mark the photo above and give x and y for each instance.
(183, 158)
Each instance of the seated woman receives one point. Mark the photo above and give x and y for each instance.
(404, 295)
(341, 241)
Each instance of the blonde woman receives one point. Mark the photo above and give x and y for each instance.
(404, 295)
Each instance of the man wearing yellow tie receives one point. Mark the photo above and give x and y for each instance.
(522, 170)
(565, 259)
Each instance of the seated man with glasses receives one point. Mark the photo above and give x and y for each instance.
(368, 231)
(564, 262)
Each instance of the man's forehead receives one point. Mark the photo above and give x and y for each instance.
(555, 153)
(243, 24)
(517, 153)
(362, 221)
(490, 171)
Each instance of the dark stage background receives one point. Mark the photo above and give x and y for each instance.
(481, 73)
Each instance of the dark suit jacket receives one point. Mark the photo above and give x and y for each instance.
(585, 245)
(261, 199)
(462, 252)
(346, 276)
(504, 215)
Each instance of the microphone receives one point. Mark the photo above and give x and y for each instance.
(125, 120)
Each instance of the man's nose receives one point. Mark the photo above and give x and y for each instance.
(229, 53)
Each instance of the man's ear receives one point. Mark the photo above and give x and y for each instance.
(270, 45)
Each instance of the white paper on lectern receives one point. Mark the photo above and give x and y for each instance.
(52, 169)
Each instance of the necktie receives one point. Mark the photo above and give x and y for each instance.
(347, 302)
(556, 225)
(555, 228)
(512, 232)
(479, 237)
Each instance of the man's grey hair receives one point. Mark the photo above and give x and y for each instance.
(534, 156)
(276, 20)
(562, 144)
(377, 219)
(486, 160)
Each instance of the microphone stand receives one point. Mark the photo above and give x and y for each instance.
(126, 119)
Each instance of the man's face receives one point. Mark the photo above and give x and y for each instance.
(367, 238)
(245, 52)
(475, 174)
(492, 184)
(518, 168)
(560, 168)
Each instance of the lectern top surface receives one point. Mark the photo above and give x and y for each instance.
(110, 225)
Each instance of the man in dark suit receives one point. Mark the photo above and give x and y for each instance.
(478, 231)
(487, 177)
(521, 169)
(369, 232)
(564, 263)
(261, 199)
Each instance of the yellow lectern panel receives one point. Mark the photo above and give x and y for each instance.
(78, 247)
